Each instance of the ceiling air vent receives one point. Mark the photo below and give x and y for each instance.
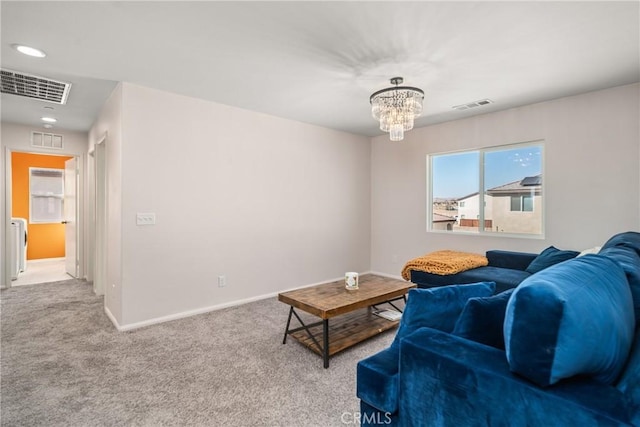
(473, 104)
(34, 87)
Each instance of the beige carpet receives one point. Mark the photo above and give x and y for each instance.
(64, 364)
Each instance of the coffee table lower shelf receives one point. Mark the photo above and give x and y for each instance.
(345, 331)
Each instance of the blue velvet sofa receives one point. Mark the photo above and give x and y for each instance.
(506, 268)
(560, 349)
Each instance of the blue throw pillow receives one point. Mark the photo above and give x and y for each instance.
(559, 322)
(438, 308)
(549, 257)
(482, 320)
(628, 239)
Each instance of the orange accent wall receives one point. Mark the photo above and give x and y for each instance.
(44, 240)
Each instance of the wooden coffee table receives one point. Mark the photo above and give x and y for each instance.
(351, 312)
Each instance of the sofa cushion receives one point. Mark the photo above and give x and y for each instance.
(629, 381)
(549, 257)
(378, 380)
(559, 322)
(447, 381)
(438, 308)
(510, 259)
(482, 319)
(628, 259)
(504, 278)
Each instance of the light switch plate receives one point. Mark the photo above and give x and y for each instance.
(145, 219)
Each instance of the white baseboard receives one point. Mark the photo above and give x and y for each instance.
(112, 318)
(189, 313)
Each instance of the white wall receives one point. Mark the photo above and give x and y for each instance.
(271, 203)
(592, 182)
(17, 137)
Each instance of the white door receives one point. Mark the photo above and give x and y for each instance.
(70, 221)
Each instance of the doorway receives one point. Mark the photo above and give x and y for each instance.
(44, 195)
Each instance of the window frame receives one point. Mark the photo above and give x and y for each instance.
(540, 143)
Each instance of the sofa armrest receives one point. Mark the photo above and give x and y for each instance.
(446, 380)
(509, 259)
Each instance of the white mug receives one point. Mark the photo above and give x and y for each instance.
(351, 280)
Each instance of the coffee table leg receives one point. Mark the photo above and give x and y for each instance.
(286, 330)
(325, 346)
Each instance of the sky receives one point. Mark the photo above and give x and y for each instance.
(457, 175)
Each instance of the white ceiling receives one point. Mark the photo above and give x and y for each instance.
(318, 62)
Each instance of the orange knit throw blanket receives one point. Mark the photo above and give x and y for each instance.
(444, 262)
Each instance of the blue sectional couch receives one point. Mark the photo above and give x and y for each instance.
(562, 348)
(506, 268)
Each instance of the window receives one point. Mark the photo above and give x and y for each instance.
(46, 195)
(500, 187)
(46, 140)
(522, 203)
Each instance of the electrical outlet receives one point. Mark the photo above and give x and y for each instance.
(222, 281)
(394, 259)
(145, 219)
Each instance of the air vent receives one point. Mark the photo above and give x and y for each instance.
(34, 87)
(474, 104)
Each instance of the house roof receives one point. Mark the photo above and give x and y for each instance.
(442, 218)
(522, 186)
(467, 196)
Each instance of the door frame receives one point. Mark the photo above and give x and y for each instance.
(97, 271)
(76, 209)
(8, 182)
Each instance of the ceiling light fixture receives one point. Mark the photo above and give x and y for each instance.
(28, 50)
(396, 107)
(48, 119)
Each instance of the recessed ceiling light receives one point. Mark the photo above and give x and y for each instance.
(47, 126)
(48, 119)
(28, 50)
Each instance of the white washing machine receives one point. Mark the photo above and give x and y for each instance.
(22, 243)
(14, 261)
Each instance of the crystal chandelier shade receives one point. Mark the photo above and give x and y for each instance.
(396, 108)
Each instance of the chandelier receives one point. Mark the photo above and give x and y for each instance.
(396, 107)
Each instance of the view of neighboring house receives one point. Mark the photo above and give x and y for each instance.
(469, 212)
(443, 222)
(515, 207)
